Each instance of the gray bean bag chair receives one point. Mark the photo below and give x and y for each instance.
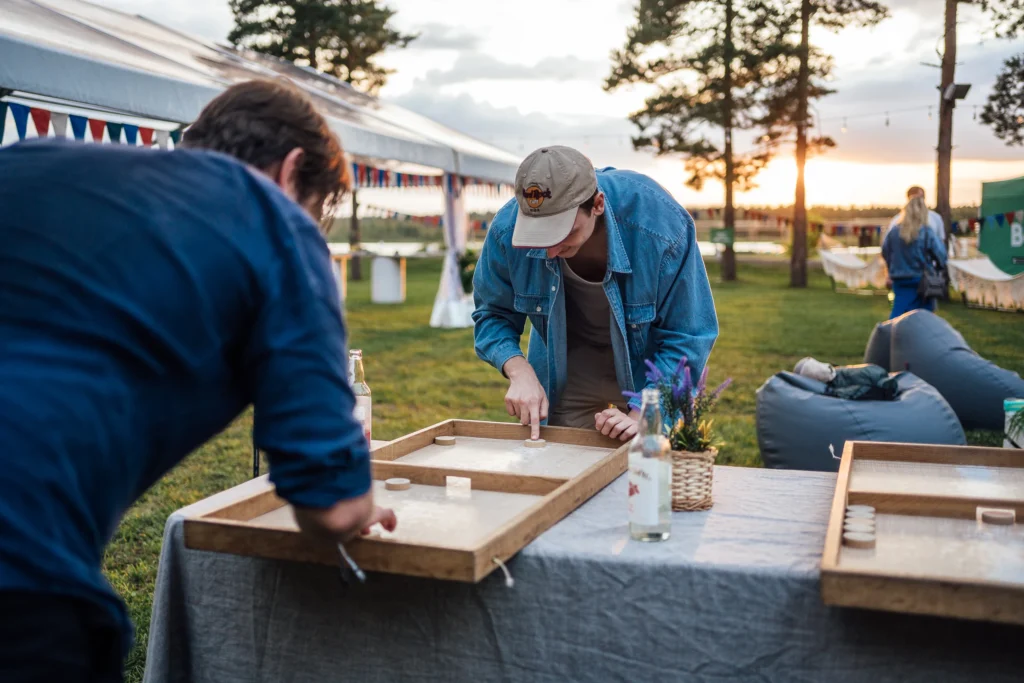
(932, 349)
(796, 421)
(877, 351)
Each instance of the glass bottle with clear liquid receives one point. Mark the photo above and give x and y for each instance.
(650, 475)
(364, 405)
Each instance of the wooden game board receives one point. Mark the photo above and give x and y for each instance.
(933, 554)
(446, 532)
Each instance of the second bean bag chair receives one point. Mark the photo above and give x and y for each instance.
(932, 349)
(797, 421)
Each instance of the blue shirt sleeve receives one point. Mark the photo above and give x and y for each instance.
(296, 360)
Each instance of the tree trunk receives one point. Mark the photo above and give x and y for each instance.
(729, 255)
(946, 120)
(355, 270)
(798, 255)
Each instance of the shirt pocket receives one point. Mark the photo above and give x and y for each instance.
(638, 324)
(536, 308)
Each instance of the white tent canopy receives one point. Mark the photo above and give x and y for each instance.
(76, 52)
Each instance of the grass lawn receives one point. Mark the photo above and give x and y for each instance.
(420, 376)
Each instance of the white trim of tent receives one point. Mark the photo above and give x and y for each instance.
(844, 266)
(983, 284)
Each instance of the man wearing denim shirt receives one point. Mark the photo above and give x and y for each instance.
(606, 268)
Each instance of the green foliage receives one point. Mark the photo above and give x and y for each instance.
(1004, 111)
(685, 406)
(467, 268)
(337, 37)
(715, 63)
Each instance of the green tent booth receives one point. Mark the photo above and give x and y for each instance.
(1003, 242)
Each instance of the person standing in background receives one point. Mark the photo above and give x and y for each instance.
(908, 250)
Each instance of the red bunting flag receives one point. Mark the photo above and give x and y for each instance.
(96, 127)
(147, 136)
(41, 119)
(1009, 217)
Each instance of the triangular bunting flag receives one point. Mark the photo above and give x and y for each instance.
(161, 139)
(3, 120)
(60, 124)
(41, 119)
(96, 127)
(1000, 219)
(114, 131)
(20, 114)
(78, 126)
(1019, 217)
(147, 136)
(131, 134)
(176, 137)
(1009, 218)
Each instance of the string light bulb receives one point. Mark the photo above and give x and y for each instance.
(844, 125)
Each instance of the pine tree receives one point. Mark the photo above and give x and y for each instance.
(712, 62)
(1004, 111)
(338, 37)
(833, 15)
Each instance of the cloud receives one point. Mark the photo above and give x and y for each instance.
(436, 36)
(476, 66)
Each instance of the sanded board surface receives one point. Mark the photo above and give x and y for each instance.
(432, 515)
(942, 548)
(932, 479)
(560, 460)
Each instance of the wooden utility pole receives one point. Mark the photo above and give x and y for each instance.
(356, 271)
(945, 150)
(798, 252)
(729, 255)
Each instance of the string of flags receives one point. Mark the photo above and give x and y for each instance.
(998, 219)
(98, 130)
(366, 176)
(833, 229)
(369, 211)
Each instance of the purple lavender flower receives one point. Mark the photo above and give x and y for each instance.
(631, 395)
(654, 374)
(687, 382)
(680, 365)
(721, 387)
(703, 380)
(677, 393)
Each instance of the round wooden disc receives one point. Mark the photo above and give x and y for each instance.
(539, 443)
(397, 484)
(859, 539)
(859, 525)
(859, 514)
(997, 516)
(860, 508)
(444, 440)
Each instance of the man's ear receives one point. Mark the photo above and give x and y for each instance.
(599, 204)
(288, 173)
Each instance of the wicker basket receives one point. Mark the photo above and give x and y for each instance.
(691, 480)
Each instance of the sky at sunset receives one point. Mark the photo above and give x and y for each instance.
(522, 75)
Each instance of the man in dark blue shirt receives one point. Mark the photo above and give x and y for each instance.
(146, 298)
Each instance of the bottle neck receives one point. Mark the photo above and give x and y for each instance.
(355, 370)
(650, 418)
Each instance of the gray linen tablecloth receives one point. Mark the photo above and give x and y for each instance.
(732, 596)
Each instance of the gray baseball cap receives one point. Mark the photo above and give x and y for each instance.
(551, 184)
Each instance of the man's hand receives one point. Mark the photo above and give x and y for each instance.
(346, 518)
(617, 424)
(525, 398)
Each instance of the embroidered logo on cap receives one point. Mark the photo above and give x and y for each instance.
(535, 196)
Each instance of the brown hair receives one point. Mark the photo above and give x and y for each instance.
(260, 121)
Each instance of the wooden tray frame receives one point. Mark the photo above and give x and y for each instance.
(224, 528)
(979, 599)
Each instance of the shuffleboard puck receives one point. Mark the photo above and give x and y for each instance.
(859, 525)
(996, 516)
(859, 514)
(859, 539)
(444, 440)
(859, 509)
(397, 484)
(535, 443)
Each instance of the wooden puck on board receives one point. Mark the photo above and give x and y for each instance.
(997, 516)
(397, 484)
(860, 525)
(859, 514)
(859, 539)
(860, 509)
(444, 440)
(535, 443)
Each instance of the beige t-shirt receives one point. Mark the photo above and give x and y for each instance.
(591, 383)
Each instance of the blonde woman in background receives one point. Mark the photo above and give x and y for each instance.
(908, 250)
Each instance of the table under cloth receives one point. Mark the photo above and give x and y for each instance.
(733, 595)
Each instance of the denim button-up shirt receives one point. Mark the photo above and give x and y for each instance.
(656, 284)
